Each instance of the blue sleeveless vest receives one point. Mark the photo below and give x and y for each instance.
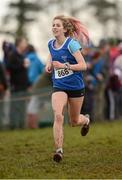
(63, 55)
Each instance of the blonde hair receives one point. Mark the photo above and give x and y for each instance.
(74, 28)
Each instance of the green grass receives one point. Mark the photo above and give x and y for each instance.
(28, 153)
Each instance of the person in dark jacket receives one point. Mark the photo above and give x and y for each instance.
(3, 88)
(17, 66)
(19, 83)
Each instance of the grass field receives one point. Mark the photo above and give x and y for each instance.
(28, 153)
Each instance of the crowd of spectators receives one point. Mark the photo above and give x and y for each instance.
(22, 67)
(22, 70)
(104, 80)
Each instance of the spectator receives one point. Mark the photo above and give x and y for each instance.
(7, 48)
(3, 88)
(94, 80)
(35, 69)
(97, 72)
(19, 83)
(118, 63)
(112, 97)
(114, 88)
(88, 104)
(113, 53)
(36, 66)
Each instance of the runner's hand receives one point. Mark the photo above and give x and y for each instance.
(58, 65)
(48, 68)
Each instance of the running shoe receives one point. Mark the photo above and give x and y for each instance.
(85, 127)
(58, 156)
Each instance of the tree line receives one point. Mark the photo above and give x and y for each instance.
(24, 12)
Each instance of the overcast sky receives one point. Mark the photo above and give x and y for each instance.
(3, 8)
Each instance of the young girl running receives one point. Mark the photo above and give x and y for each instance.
(66, 62)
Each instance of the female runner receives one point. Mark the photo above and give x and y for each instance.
(66, 64)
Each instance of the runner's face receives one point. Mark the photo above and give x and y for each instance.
(57, 28)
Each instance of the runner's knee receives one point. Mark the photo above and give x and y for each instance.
(59, 117)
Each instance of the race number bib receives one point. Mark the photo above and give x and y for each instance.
(61, 73)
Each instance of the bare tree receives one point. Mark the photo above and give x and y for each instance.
(22, 13)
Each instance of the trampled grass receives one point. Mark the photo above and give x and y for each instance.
(28, 153)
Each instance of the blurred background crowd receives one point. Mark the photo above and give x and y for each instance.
(25, 88)
(22, 74)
